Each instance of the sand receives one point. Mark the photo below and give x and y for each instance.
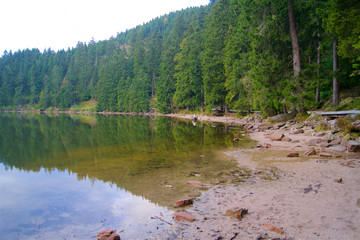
(313, 197)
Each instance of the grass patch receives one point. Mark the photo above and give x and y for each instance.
(88, 106)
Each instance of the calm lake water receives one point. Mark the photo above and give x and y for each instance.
(71, 176)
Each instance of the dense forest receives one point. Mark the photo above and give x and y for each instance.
(270, 56)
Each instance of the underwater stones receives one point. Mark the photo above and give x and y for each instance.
(184, 202)
(195, 183)
(108, 235)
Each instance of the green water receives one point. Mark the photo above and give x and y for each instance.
(70, 176)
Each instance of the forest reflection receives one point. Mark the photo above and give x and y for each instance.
(140, 154)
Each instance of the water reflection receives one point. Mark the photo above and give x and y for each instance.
(74, 174)
(55, 205)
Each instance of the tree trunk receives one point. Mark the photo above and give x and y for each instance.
(294, 40)
(336, 85)
(152, 84)
(318, 70)
(202, 99)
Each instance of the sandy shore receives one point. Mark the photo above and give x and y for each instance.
(305, 201)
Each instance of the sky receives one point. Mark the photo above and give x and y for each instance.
(59, 24)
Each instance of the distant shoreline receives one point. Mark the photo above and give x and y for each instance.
(222, 119)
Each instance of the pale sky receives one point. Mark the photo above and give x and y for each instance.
(59, 24)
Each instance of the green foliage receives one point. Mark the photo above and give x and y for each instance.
(345, 124)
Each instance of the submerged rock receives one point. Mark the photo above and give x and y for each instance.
(195, 183)
(108, 235)
(184, 202)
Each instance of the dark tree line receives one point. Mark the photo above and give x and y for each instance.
(236, 54)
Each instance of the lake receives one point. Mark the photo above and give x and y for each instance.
(71, 176)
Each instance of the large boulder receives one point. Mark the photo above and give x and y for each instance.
(282, 117)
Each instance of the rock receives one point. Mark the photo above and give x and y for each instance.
(335, 142)
(272, 228)
(358, 203)
(108, 235)
(286, 139)
(180, 216)
(353, 146)
(267, 145)
(324, 145)
(276, 136)
(308, 189)
(282, 117)
(325, 155)
(277, 126)
(337, 148)
(308, 132)
(184, 202)
(320, 134)
(195, 183)
(298, 131)
(330, 138)
(338, 180)
(264, 126)
(293, 154)
(310, 152)
(238, 213)
(314, 141)
(345, 141)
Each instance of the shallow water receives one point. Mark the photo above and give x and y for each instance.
(70, 176)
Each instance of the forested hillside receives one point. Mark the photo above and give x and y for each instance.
(237, 54)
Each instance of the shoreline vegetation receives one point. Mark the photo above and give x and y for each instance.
(312, 193)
